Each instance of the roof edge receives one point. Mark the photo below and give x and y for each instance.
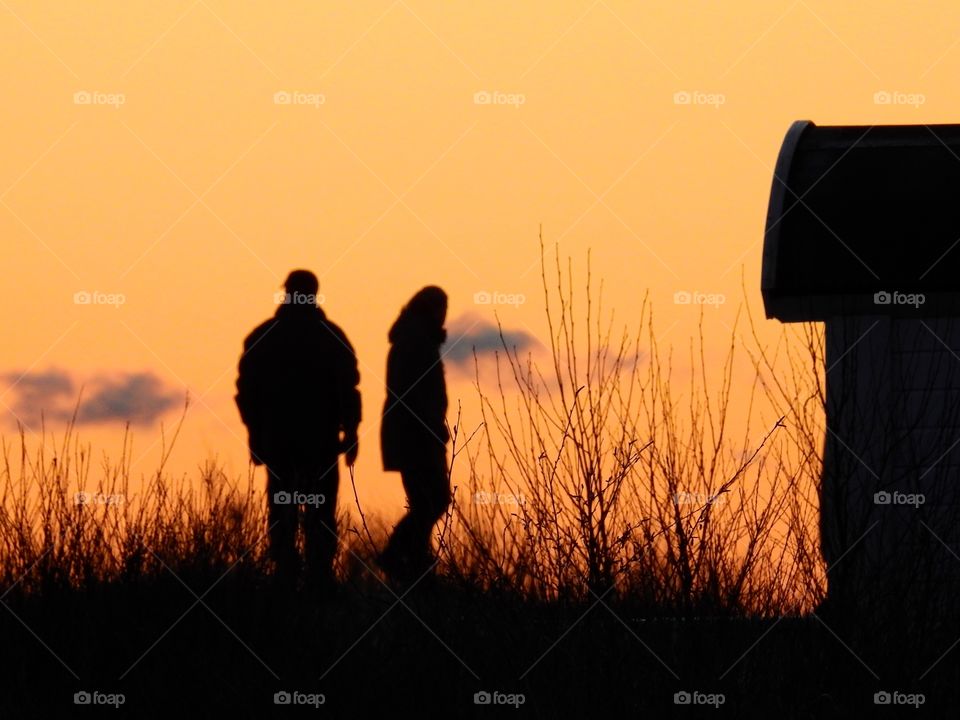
(778, 192)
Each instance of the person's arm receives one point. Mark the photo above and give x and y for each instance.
(244, 395)
(348, 393)
(247, 397)
(445, 434)
(421, 391)
(438, 406)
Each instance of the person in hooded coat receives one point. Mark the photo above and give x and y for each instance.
(413, 432)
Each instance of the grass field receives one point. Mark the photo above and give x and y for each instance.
(616, 548)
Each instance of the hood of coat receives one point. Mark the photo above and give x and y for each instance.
(411, 328)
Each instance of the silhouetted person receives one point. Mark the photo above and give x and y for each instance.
(413, 434)
(297, 395)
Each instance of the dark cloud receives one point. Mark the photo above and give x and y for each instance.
(139, 398)
(40, 388)
(469, 333)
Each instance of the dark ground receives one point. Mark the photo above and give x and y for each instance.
(433, 652)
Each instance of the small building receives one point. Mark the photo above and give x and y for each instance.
(863, 234)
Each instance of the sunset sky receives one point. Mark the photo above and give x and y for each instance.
(171, 162)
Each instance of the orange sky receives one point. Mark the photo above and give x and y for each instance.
(185, 187)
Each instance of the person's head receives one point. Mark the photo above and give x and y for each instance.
(301, 286)
(429, 304)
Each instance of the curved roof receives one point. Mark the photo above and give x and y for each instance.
(857, 211)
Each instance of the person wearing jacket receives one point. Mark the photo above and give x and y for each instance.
(413, 432)
(297, 395)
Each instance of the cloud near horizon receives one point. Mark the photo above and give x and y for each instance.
(469, 333)
(139, 397)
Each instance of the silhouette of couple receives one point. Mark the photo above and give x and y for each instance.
(297, 395)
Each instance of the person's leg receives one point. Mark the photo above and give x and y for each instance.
(437, 485)
(434, 500)
(320, 520)
(428, 495)
(282, 518)
(394, 558)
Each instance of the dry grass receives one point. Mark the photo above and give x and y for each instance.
(605, 471)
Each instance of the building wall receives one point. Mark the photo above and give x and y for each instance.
(889, 521)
